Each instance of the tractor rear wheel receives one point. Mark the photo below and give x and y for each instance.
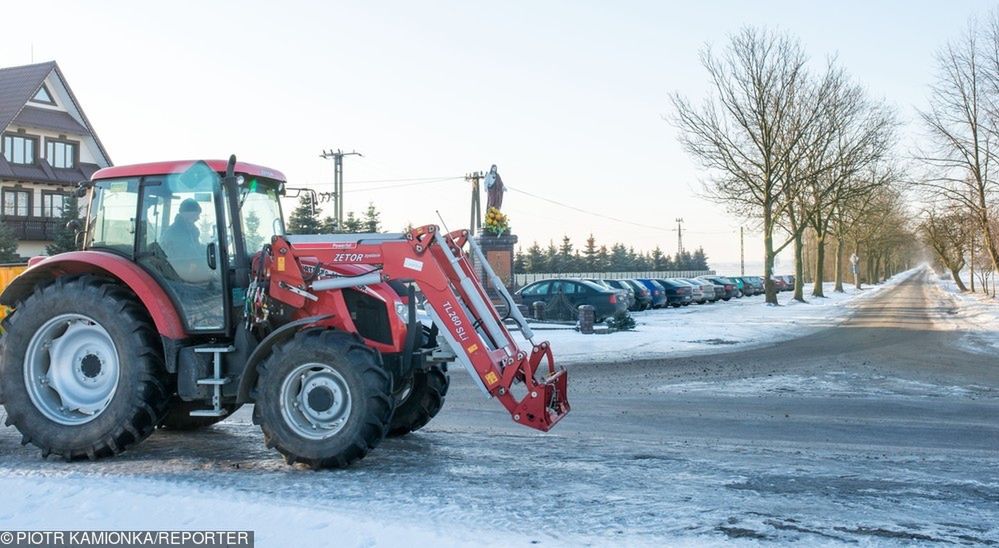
(81, 369)
(179, 415)
(324, 399)
(422, 401)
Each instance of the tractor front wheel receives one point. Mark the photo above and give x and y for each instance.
(81, 369)
(324, 399)
(421, 401)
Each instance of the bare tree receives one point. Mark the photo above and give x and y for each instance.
(751, 128)
(962, 122)
(945, 231)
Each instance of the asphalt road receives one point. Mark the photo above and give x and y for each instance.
(882, 429)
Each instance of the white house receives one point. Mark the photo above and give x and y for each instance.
(47, 146)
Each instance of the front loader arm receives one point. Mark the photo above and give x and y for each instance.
(455, 300)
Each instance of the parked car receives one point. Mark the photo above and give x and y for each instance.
(779, 284)
(739, 287)
(633, 303)
(643, 297)
(696, 290)
(789, 278)
(625, 293)
(605, 301)
(656, 289)
(728, 286)
(677, 293)
(756, 283)
(710, 291)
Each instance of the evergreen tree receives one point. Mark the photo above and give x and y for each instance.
(353, 225)
(519, 262)
(534, 262)
(590, 255)
(668, 264)
(552, 263)
(603, 260)
(699, 260)
(65, 238)
(371, 222)
(8, 244)
(642, 262)
(683, 260)
(304, 219)
(254, 240)
(566, 258)
(619, 259)
(658, 259)
(328, 226)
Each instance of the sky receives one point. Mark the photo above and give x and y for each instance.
(569, 99)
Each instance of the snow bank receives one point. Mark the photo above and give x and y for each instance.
(976, 314)
(738, 323)
(39, 502)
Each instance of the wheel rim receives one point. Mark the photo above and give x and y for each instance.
(315, 401)
(71, 369)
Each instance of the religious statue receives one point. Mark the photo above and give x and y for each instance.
(494, 189)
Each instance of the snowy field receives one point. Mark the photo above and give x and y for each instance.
(716, 327)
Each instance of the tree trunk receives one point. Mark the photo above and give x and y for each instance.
(768, 259)
(799, 267)
(820, 266)
(856, 268)
(839, 265)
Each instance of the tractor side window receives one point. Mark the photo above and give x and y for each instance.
(112, 215)
(179, 244)
(260, 213)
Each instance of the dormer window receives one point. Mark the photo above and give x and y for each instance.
(61, 154)
(19, 149)
(43, 96)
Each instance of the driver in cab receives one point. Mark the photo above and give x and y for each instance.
(182, 244)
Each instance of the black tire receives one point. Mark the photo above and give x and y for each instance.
(178, 416)
(136, 404)
(366, 380)
(425, 400)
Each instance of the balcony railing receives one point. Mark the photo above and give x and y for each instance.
(33, 228)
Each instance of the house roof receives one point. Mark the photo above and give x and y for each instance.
(19, 84)
(49, 119)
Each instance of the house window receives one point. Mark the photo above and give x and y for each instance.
(43, 96)
(19, 149)
(16, 202)
(52, 204)
(60, 154)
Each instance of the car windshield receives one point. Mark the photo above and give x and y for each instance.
(260, 213)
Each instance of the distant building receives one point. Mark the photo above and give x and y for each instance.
(47, 147)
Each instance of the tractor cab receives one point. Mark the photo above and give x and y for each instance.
(175, 220)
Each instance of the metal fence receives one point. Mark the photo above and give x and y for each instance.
(524, 279)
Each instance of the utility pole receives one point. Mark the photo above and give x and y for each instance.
(742, 252)
(337, 157)
(679, 234)
(476, 220)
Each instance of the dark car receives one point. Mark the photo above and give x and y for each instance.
(643, 297)
(626, 292)
(779, 283)
(656, 289)
(678, 293)
(633, 303)
(726, 284)
(605, 302)
(754, 285)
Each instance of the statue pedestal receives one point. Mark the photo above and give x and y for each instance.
(499, 253)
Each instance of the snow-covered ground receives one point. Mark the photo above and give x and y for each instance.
(976, 314)
(694, 329)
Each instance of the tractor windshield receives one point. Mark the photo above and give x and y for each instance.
(260, 213)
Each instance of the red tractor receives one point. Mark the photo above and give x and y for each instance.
(189, 300)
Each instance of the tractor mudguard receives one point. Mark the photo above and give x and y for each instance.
(155, 300)
(249, 378)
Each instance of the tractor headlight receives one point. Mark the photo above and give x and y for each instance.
(402, 310)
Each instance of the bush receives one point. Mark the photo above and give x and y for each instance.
(622, 321)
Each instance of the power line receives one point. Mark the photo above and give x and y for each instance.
(416, 183)
(595, 214)
(368, 181)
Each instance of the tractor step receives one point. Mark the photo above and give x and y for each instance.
(218, 382)
(208, 413)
